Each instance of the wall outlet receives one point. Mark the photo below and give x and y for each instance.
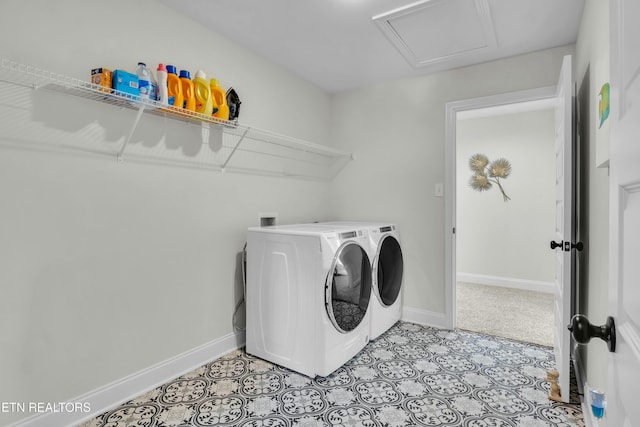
(438, 190)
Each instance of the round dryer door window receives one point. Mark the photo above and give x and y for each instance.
(390, 267)
(348, 287)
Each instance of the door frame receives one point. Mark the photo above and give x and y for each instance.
(452, 108)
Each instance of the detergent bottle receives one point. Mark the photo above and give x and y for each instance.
(202, 90)
(163, 94)
(220, 98)
(174, 88)
(187, 91)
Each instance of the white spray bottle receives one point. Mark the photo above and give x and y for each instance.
(163, 92)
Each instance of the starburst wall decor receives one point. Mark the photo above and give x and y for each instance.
(486, 174)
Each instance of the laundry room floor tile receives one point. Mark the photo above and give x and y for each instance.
(410, 376)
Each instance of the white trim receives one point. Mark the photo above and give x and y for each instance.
(424, 317)
(452, 109)
(110, 395)
(519, 107)
(507, 282)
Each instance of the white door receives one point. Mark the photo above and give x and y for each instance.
(623, 376)
(564, 224)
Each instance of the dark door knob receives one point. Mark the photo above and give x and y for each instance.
(578, 246)
(567, 245)
(582, 331)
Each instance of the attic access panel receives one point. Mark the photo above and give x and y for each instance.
(435, 31)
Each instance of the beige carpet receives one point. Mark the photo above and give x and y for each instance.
(505, 312)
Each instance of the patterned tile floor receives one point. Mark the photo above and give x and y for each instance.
(410, 376)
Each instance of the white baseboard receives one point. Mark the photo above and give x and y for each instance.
(424, 317)
(120, 391)
(507, 282)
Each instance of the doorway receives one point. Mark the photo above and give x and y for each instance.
(491, 245)
(505, 271)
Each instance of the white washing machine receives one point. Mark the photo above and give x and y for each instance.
(387, 268)
(308, 294)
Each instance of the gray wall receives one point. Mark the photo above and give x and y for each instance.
(510, 239)
(397, 130)
(107, 268)
(592, 55)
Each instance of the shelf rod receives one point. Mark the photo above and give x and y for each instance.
(133, 128)
(235, 148)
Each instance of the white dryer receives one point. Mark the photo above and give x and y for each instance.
(308, 295)
(387, 268)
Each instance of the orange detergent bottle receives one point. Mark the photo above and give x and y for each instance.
(187, 91)
(174, 87)
(220, 98)
(202, 90)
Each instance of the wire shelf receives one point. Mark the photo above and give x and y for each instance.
(234, 147)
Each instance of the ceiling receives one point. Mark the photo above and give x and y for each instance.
(345, 44)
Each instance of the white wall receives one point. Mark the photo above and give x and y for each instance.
(107, 268)
(510, 239)
(592, 53)
(397, 132)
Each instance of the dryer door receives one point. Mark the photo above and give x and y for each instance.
(348, 287)
(389, 266)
